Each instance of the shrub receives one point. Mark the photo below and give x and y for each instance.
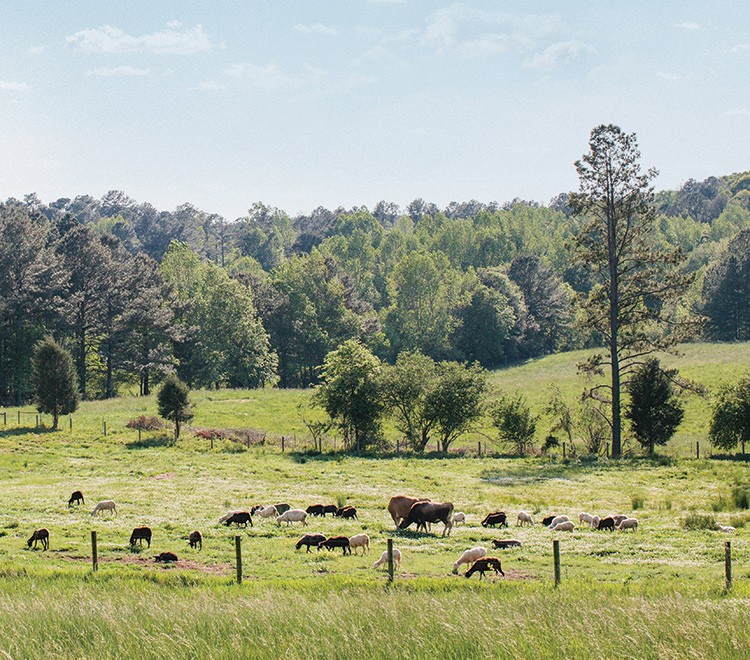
(699, 521)
(145, 423)
(637, 501)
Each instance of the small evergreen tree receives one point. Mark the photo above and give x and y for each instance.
(517, 425)
(55, 382)
(730, 423)
(654, 410)
(173, 401)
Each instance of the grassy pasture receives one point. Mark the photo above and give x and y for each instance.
(661, 585)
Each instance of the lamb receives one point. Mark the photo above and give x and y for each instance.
(336, 542)
(165, 557)
(384, 558)
(469, 557)
(585, 518)
(504, 544)
(76, 498)
(293, 515)
(140, 534)
(565, 526)
(40, 535)
(557, 520)
(360, 541)
(239, 518)
(727, 529)
(459, 517)
(595, 522)
(269, 511)
(524, 518)
(346, 512)
(105, 505)
(483, 565)
(628, 523)
(310, 539)
(196, 539)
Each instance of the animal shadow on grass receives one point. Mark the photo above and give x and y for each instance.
(151, 443)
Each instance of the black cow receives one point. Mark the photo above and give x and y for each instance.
(310, 539)
(496, 518)
(429, 512)
(239, 518)
(336, 542)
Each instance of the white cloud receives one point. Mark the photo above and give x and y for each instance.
(208, 85)
(11, 86)
(172, 40)
(316, 28)
(563, 52)
(688, 25)
(737, 112)
(740, 48)
(124, 70)
(666, 75)
(36, 50)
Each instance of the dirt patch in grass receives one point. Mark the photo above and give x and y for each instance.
(164, 475)
(184, 564)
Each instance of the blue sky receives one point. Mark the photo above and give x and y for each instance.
(300, 104)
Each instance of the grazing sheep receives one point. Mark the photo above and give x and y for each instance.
(269, 511)
(293, 515)
(140, 534)
(346, 512)
(619, 518)
(310, 539)
(628, 523)
(282, 508)
(227, 515)
(524, 518)
(384, 558)
(360, 541)
(239, 518)
(76, 498)
(469, 557)
(459, 517)
(557, 520)
(504, 544)
(606, 523)
(330, 508)
(727, 529)
(105, 505)
(548, 520)
(564, 526)
(336, 542)
(595, 522)
(196, 539)
(483, 565)
(496, 518)
(585, 518)
(315, 510)
(40, 535)
(166, 556)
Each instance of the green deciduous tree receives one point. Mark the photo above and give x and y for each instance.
(654, 410)
(730, 422)
(54, 378)
(350, 392)
(515, 422)
(173, 401)
(635, 282)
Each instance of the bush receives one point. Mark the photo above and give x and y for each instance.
(637, 501)
(145, 423)
(699, 521)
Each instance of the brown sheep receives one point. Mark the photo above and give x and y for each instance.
(346, 512)
(40, 535)
(196, 540)
(166, 556)
(140, 534)
(336, 542)
(76, 498)
(485, 564)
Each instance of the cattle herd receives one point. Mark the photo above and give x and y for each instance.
(404, 511)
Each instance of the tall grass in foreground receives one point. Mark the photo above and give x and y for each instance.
(489, 620)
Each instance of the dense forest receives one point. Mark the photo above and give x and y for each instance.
(134, 293)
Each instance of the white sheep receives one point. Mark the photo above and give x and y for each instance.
(384, 558)
(458, 517)
(293, 515)
(268, 512)
(565, 526)
(557, 521)
(585, 518)
(628, 523)
(727, 529)
(524, 518)
(595, 521)
(469, 557)
(105, 505)
(619, 518)
(360, 541)
(227, 516)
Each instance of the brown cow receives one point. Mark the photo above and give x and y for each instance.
(400, 505)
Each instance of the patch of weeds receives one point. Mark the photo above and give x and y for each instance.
(741, 497)
(13, 524)
(699, 521)
(637, 501)
(230, 447)
(719, 504)
(739, 520)
(668, 503)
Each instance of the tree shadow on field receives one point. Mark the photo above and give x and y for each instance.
(151, 443)
(737, 458)
(25, 430)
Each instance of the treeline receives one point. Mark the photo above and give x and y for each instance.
(134, 293)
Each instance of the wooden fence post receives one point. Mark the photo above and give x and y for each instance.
(697, 448)
(139, 435)
(94, 554)
(556, 556)
(238, 553)
(479, 448)
(563, 450)
(104, 426)
(212, 441)
(727, 565)
(5, 419)
(607, 450)
(390, 560)
(398, 446)
(70, 423)
(19, 418)
(282, 444)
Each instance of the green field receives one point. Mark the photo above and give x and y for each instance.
(656, 593)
